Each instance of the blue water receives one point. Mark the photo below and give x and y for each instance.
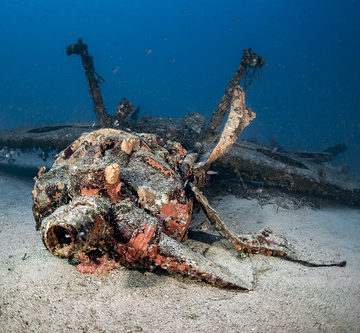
(310, 99)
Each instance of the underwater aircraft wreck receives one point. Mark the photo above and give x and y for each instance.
(247, 162)
(125, 197)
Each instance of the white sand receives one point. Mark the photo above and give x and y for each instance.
(44, 294)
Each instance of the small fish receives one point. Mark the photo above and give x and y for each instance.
(44, 156)
(116, 123)
(211, 172)
(238, 19)
(173, 60)
(93, 125)
(115, 69)
(148, 51)
(165, 38)
(67, 236)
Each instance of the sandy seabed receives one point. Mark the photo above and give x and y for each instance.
(41, 293)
